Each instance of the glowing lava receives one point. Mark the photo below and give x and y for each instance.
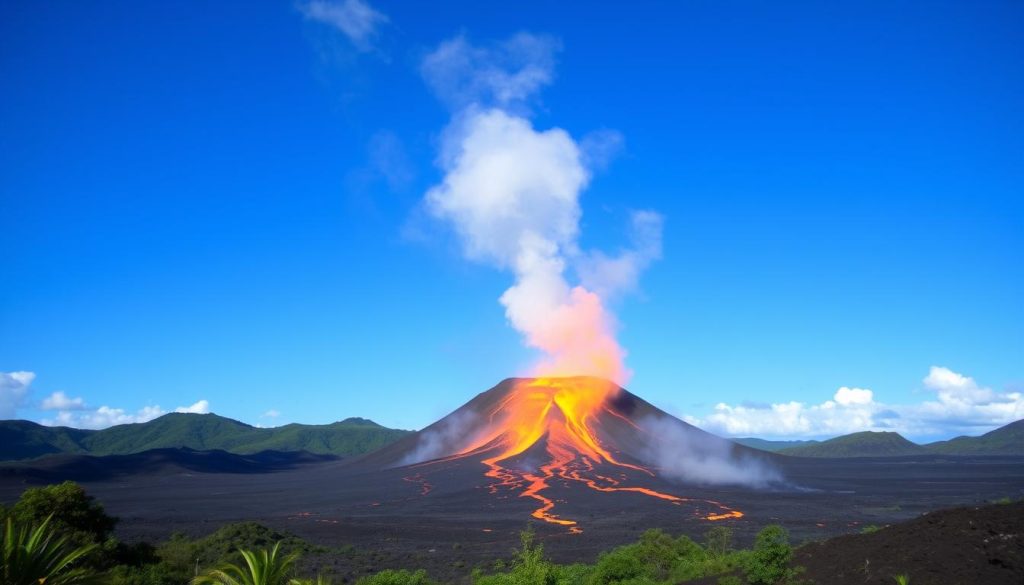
(563, 412)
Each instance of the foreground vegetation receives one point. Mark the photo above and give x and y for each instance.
(59, 535)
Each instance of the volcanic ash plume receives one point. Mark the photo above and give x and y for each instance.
(512, 192)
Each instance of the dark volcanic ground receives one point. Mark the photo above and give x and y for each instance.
(441, 516)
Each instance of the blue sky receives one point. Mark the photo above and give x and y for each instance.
(226, 204)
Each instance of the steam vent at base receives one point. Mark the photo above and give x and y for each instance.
(561, 441)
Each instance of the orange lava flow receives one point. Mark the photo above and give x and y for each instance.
(418, 479)
(562, 411)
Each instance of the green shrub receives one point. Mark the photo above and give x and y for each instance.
(575, 574)
(528, 565)
(619, 565)
(870, 529)
(769, 562)
(401, 577)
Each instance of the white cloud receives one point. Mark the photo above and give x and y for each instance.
(389, 160)
(506, 74)
(787, 419)
(13, 391)
(271, 414)
(107, 416)
(61, 401)
(955, 388)
(103, 417)
(850, 396)
(600, 147)
(962, 407)
(355, 19)
(963, 402)
(200, 407)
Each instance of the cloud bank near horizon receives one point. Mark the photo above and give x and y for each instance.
(68, 411)
(960, 406)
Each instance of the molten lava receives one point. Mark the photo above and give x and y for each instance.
(560, 414)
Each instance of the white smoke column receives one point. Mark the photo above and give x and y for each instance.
(512, 192)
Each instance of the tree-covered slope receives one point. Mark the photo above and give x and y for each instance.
(23, 439)
(865, 444)
(195, 431)
(1006, 440)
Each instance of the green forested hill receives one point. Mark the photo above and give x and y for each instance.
(1006, 440)
(865, 444)
(21, 439)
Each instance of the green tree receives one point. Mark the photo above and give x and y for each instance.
(73, 511)
(528, 567)
(619, 565)
(32, 556)
(718, 540)
(263, 567)
(769, 562)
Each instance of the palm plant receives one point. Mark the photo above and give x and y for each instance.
(39, 555)
(261, 567)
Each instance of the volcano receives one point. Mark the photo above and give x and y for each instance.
(552, 439)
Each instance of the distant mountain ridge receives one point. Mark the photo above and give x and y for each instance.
(769, 445)
(864, 444)
(1006, 440)
(20, 439)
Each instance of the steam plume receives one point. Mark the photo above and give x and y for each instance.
(692, 456)
(511, 192)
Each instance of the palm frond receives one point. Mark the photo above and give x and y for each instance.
(33, 555)
(261, 567)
